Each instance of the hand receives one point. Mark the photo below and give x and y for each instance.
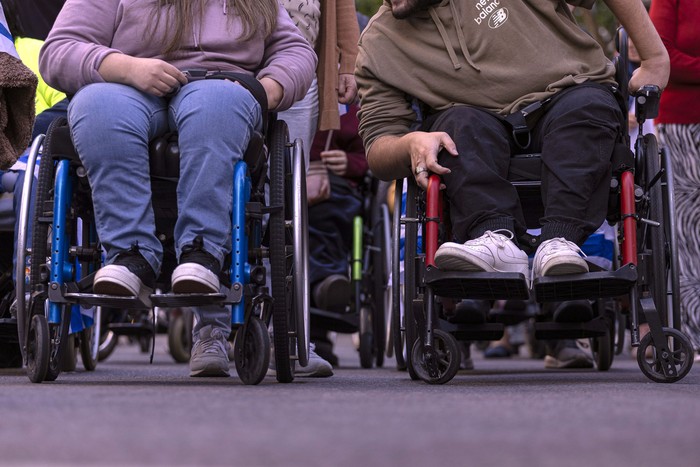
(650, 72)
(347, 88)
(424, 148)
(336, 161)
(274, 91)
(318, 186)
(149, 75)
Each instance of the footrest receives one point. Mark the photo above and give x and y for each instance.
(344, 323)
(477, 285)
(131, 329)
(586, 286)
(108, 301)
(594, 328)
(187, 300)
(473, 332)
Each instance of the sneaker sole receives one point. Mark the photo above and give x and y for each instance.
(211, 370)
(117, 280)
(565, 268)
(193, 278)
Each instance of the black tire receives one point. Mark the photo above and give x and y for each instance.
(59, 343)
(37, 349)
(380, 277)
(180, 337)
(251, 348)
(87, 347)
(682, 356)
(656, 239)
(279, 261)
(108, 342)
(448, 354)
(366, 349)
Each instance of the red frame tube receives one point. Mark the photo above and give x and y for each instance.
(433, 214)
(629, 219)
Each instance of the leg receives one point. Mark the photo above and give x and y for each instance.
(302, 119)
(683, 145)
(214, 120)
(113, 147)
(577, 136)
(481, 197)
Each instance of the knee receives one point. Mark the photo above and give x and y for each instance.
(219, 99)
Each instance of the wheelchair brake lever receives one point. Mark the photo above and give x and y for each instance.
(647, 103)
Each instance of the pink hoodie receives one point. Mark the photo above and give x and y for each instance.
(86, 31)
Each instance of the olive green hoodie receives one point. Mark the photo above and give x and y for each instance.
(495, 54)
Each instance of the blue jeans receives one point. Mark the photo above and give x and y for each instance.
(112, 125)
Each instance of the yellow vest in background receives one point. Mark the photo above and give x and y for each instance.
(28, 50)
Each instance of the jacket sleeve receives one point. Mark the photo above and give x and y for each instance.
(289, 60)
(77, 44)
(685, 68)
(384, 110)
(348, 35)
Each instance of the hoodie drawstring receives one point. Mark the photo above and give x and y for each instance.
(446, 40)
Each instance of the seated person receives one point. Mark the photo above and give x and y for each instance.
(338, 165)
(492, 62)
(123, 62)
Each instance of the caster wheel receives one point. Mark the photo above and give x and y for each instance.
(681, 356)
(38, 349)
(366, 342)
(447, 357)
(87, 344)
(180, 337)
(108, 342)
(251, 348)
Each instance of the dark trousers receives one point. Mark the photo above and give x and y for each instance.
(44, 119)
(575, 136)
(330, 230)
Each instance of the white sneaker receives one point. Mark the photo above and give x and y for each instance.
(557, 257)
(492, 252)
(317, 367)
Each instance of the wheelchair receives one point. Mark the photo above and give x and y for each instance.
(644, 279)
(369, 274)
(265, 228)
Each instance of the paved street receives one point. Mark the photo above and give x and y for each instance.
(505, 413)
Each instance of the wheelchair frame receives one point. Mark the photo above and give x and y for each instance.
(43, 332)
(647, 275)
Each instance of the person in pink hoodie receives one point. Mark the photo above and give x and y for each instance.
(123, 61)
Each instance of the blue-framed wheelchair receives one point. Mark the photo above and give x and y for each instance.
(269, 232)
(644, 278)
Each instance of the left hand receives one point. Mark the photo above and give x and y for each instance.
(347, 88)
(336, 161)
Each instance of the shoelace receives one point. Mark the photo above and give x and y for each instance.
(558, 244)
(214, 344)
(499, 237)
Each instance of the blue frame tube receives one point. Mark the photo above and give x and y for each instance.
(240, 271)
(61, 269)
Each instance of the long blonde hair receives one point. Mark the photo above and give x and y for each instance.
(186, 12)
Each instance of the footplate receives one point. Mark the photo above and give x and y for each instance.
(477, 285)
(233, 295)
(590, 285)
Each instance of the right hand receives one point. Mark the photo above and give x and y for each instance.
(154, 76)
(149, 75)
(424, 148)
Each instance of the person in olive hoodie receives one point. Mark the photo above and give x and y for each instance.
(123, 60)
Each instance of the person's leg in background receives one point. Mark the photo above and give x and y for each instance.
(302, 120)
(683, 145)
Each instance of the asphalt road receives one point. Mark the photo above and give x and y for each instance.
(505, 413)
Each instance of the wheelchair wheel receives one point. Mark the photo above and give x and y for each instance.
(59, 343)
(410, 277)
(37, 349)
(86, 344)
(251, 348)
(180, 336)
(447, 355)
(280, 261)
(396, 333)
(603, 347)
(681, 355)
(380, 279)
(108, 342)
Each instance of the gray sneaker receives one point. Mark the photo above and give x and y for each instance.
(567, 354)
(210, 353)
(317, 367)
